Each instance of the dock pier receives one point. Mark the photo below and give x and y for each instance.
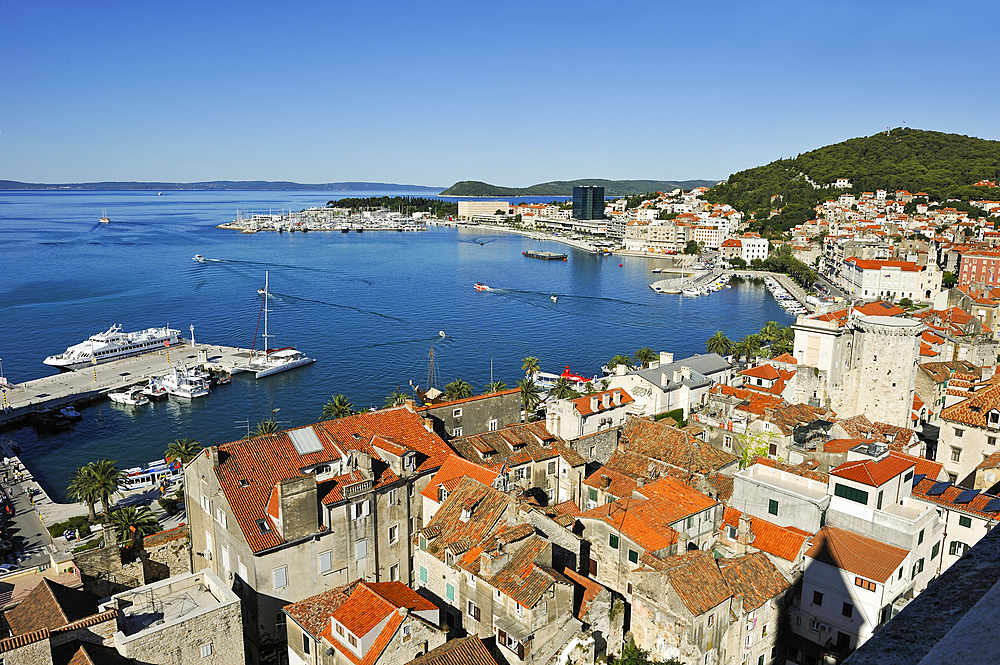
(19, 401)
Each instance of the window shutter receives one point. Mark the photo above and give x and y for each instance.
(520, 651)
(501, 637)
(366, 508)
(477, 612)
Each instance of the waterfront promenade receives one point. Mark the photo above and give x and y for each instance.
(19, 401)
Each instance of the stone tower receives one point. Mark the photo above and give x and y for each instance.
(880, 370)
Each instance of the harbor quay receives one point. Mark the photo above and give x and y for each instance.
(21, 400)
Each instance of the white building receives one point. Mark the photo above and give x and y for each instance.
(875, 279)
(473, 209)
(753, 247)
(588, 414)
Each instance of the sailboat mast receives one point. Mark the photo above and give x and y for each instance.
(266, 343)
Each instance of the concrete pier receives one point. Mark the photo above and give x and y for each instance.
(95, 382)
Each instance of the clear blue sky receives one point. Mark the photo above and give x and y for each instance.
(511, 92)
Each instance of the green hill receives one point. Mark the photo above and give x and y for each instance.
(565, 187)
(942, 165)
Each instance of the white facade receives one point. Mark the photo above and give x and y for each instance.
(471, 209)
(873, 280)
(780, 497)
(754, 248)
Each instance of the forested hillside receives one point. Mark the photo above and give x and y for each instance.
(942, 165)
(565, 187)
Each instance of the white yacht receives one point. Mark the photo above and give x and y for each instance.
(113, 345)
(272, 361)
(184, 382)
(132, 397)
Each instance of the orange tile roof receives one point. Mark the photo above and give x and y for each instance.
(786, 358)
(313, 613)
(604, 401)
(872, 473)
(249, 469)
(453, 469)
(856, 554)
(673, 446)
(947, 499)
(591, 590)
(465, 400)
(905, 266)
(754, 578)
(457, 651)
(768, 537)
(697, 580)
(621, 486)
(766, 372)
(973, 410)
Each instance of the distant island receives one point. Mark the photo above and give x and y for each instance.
(218, 185)
(565, 187)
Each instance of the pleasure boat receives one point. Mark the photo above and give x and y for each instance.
(272, 361)
(184, 382)
(113, 345)
(199, 258)
(554, 298)
(70, 413)
(479, 286)
(104, 217)
(132, 397)
(154, 390)
(691, 292)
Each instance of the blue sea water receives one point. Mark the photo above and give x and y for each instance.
(367, 306)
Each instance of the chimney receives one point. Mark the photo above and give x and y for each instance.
(605, 482)
(677, 376)
(616, 398)
(666, 358)
(620, 370)
(743, 534)
(594, 403)
(641, 481)
(686, 373)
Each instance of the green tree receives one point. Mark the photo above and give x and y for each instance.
(265, 427)
(495, 387)
(108, 480)
(905, 303)
(692, 247)
(633, 655)
(396, 398)
(948, 279)
(83, 487)
(530, 365)
(182, 450)
(747, 347)
(769, 334)
(719, 343)
(563, 389)
(338, 407)
(457, 389)
(737, 263)
(620, 360)
(530, 395)
(132, 523)
(645, 356)
(754, 444)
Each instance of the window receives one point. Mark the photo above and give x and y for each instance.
(959, 433)
(613, 541)
(727, 442)
(220, 517)
(394, 572)
(864, 584)
(472, 610)
(965, 521)
(280, 576)
(520, 609)
(457, 431)
(206, 650)
(935, 550)
(847, 610)
(361, 550)
(394, 496)
(456, 413)
(208, 541)
(361, 509)
(306, 642)
(920, 537)
(593, 452)
(592, 493)
(393, 534)
(956, 548)
(423, 575)
(264, 526)
(224, 551)
(878, 503)
(772, 507)
(206, 505)
(423, 544)
(406, 632)
(340, 629)
(956, 454)
(493, 424)
(992, 440)
(817, 598)
(325, 561)
(814, 625)
(470, 579)
(498, 594)
(711, 620)
(732, 533)
(353, 641)
(920, 565)
(850, 493)
(242, 568)
(908, 477)
(633, 556)
(449, 592)
(551, 468)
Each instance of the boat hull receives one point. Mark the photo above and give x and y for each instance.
(284, 367)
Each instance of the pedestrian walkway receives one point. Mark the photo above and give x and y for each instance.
(31, 542)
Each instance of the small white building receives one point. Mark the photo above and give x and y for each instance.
(588, 414)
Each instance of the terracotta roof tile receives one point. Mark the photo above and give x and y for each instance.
(973, 410)
(50, 605)
(514, 444)
(768, 537)
(754, 577)
(465, 400)
(673, 446)
(697, 580)
(947, 499)
(871, 472)
(605, 401)
(453, 469)
(856, 554)
(313, 613)
(619, 485)
(447, 526)
(591, 590)
(461, 651)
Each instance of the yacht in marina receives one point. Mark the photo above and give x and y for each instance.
(113, 345)
(272, 361)
(185, 382)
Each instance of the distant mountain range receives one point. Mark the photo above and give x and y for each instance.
(220, 185)
(565, 187)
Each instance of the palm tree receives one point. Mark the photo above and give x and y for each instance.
(182, 450)
(747, 347)
(563, 389)
(644, 356)
(769, 334)
(620, 360)
(495, 387)
(107, 479)
(338, 407)
(530, 396)
(132, 523)
(457, 389)
(530, 366)
(396, 398)
(719, 343)
(265, 427)
(83, 488)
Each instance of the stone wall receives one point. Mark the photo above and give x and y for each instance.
(35, 653)
(596, 448)
(107, 571)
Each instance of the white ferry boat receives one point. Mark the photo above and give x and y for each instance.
(152, 474)
(113, 345)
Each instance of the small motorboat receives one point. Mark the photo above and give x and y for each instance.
(479, 286)
(199, 258)
(441, 333)
(554, 298)
(132, 397)
(70, 413)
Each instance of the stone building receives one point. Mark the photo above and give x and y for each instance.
(588, 414)
(283, 516)
(667, 385)
(970, 430)
(474, 415)
(378, 623)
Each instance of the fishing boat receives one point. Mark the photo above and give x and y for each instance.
(113, 345)
(133, 397)
(184, 382)
(273, 361)
(479, 286)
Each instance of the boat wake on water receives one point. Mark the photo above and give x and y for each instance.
(571, 296)
(333, 304)
(437, 339)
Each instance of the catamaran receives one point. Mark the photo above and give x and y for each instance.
(272, 361)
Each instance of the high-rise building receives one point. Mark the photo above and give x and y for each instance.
(588, 202)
